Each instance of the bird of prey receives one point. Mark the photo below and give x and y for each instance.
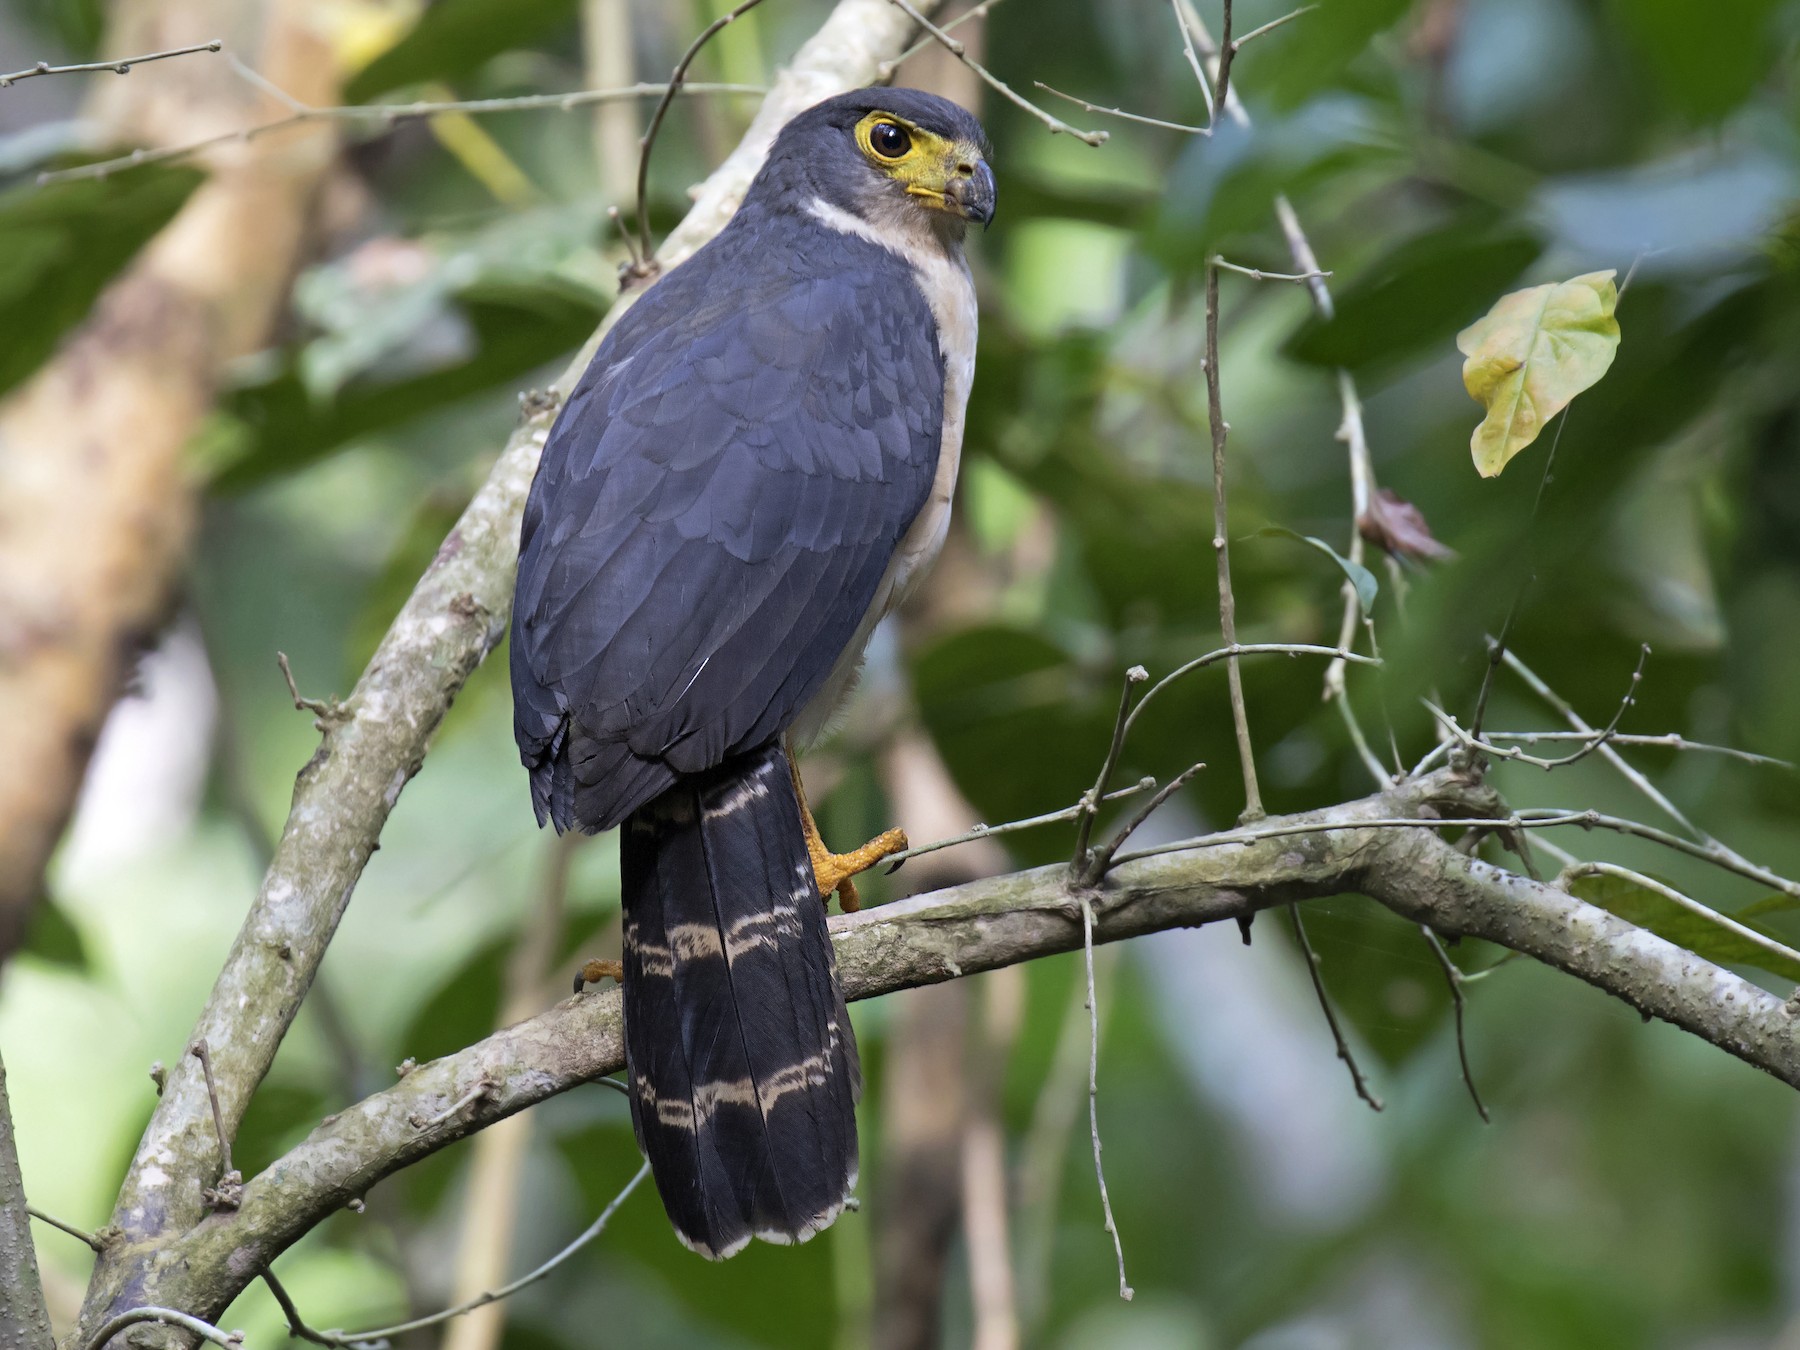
(754, 469)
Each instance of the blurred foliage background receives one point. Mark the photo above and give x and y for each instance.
(1635, 1189)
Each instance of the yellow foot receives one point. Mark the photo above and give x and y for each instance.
(833, 871)
(595, 971)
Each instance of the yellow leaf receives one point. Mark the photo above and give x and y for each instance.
(1530, 355)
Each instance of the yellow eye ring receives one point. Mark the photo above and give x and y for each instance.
(889, 140)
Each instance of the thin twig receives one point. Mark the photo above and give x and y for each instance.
(229, 1189)
(1454, 977)
(647, 143)
(955, 48)
(78, 1233)
(1103, 855)
(1269, 27)
(1230, 838)
(885, 71)
(1240, 719)
(1257, 274)
(1090, 801)
(1187, 28)
(298, 1327)
(1013, 826)
(386, 115)
(1497, 647)
(1222, 71)
(231, 1340)
(121, 66)
(1675, 897)
(1668, 740)
(1542, 689)
(1237, 649)
(328, 709)
(456, 1108)
(1121, 113)
(1093, 1007)
(1594, 741)
(1344, 1053)
(1714, 853)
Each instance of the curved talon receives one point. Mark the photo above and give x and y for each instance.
(833, 870)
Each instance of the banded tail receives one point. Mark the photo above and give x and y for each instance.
(742, 1063)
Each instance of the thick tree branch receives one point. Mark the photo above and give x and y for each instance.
(24, 1321)
(981, 926)
(375, 742)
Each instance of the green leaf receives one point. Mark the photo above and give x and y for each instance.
(1705, 69)
(455, 37)
(1312, 52)
(53, 938)
(1367, 588)
(1414, 296)
(62, 243)
(1530, 355)
(278, 427)
(1703, 935)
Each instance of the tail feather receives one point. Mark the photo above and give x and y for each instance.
(742, 1062)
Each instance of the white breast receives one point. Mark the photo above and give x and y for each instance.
(944, 281)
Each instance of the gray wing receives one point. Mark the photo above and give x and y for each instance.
(714, 511)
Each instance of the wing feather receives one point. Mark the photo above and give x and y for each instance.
(715, 509)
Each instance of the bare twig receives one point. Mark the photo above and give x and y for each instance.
(297, 1326)
(1668, 740)
(1103, 855)
(1240, 719)
(1238, 649)
(1121, 113)
(1590, 743)
(643, 264)
(169, 1317)
(980, 832)
(1090, 801)
(1631, 775)
(1454, 978)
(1256, 274)
(885, 71)
(229, 1188)
(328, 709)
(1222, 70)
(1093, 1009)
(1344, 1052)
(1497, 647)
(1238, 44)
(955, 48)
(1188, 23)
(121, 66)
(80, 1234)
(383, 115)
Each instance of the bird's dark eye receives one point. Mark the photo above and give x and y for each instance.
(889, 140)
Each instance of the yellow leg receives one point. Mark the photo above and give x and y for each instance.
(833, 871)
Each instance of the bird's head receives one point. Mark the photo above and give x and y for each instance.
(887, 156)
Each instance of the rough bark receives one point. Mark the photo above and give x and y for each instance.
(24, 1321)
(95, 504)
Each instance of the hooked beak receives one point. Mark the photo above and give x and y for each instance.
(973, 193)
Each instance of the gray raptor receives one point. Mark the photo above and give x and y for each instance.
(754, 469)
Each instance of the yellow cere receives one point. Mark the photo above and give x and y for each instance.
(924, 161)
